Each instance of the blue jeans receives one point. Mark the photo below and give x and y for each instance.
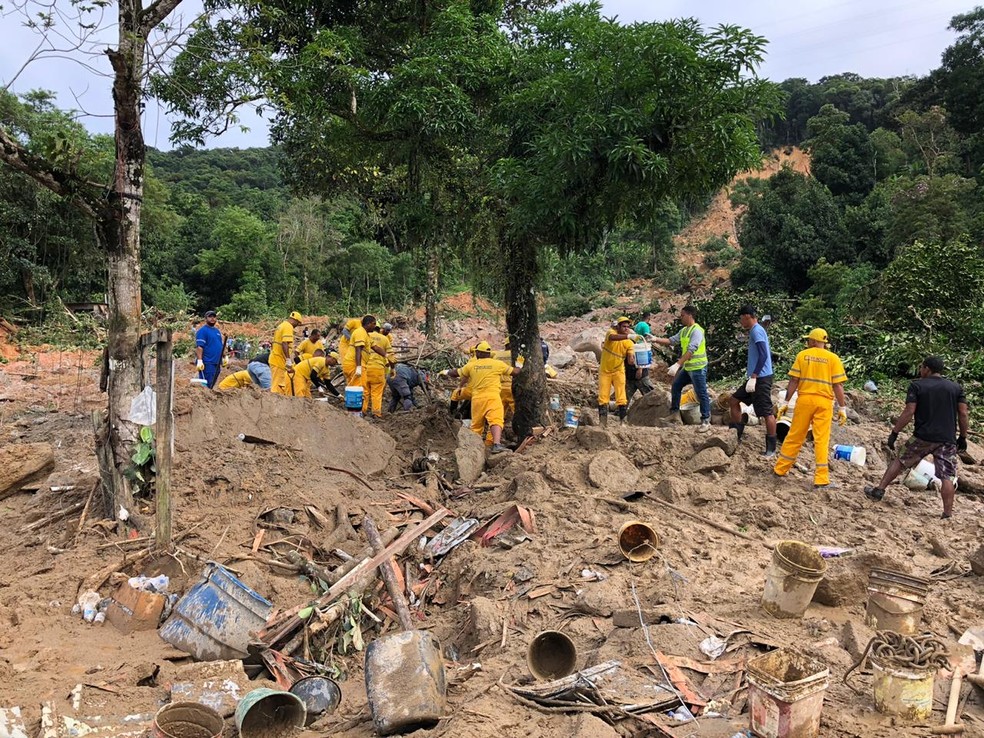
(260, 374)
(698, 378)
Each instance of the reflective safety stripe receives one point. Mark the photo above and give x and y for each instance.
(787, 458)
(698, 359)
(818, 381)
(819, 465)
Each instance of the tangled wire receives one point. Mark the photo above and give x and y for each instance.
(912, 652)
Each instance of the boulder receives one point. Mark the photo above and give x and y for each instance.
(529, 487)
(855, 637)
(726, 440)
(588, 340)
(712, 459)
(672, 489)
(593, 438)
(973, 455)
(469, 455)
(611, 470)
(649, 409)
(562, 358)
(22, 464)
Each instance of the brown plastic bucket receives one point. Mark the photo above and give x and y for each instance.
(637, 541)
(187, 720)
(895, 601)
(551, 655)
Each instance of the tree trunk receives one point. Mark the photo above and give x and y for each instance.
(433, 285)
(121, 237)
(530, 387)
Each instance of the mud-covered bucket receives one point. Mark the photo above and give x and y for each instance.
(690, 413)
(187, 720)
(551, 655)
(895, 601)
(637, 541)
(405, 682)
(792, 579)
(785, 694)
(922, 477)
(902, 691)
(572, 417)
(269, 713)
(320, 695)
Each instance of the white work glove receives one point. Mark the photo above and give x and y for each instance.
(290, 363)
(200, 366)
(358, 371)
(444, 373)
(321, 390)
(672, 369)
(750, 385)
(225, 360)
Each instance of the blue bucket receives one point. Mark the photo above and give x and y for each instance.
(353, 398)
(214, 618)
(572, 417)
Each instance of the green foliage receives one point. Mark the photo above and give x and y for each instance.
(718, 252)
(746, 190)
(842, 155)
(143, 462)
(786, 231)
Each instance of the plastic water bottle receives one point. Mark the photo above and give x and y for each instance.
(157, 584)
(89, 605)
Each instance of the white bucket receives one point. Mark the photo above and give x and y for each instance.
(690, 413)
(853, 454)
(643, 355)
(922, 477)
(748, 415)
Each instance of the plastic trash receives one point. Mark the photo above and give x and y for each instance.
(88, 605)
(158, 584)
(833, 552)
(870, 386)
(713, 647)
(143, 407)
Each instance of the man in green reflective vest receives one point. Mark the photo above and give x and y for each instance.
(692, 365)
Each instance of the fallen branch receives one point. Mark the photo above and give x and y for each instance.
(706, 521)
(354, 476)
(363, 569)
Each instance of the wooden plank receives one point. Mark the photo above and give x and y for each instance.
(164, 441)
(363, 569)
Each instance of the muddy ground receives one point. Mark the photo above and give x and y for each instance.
(484, 604)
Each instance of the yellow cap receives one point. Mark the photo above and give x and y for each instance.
(296, 315)
(483, 346)
(622, 319)
(817, 334)
(334, 355)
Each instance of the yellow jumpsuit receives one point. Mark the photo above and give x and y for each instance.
(485, 381)
(611, 372)
(360, 339)
(375, 373)
(818, 370)
(508, 401)
(278, 361)
(303, 371)
(236, 380)
(307, 348)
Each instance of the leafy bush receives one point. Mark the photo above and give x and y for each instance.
(565, 306)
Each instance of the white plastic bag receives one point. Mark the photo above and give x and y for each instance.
(143, 407)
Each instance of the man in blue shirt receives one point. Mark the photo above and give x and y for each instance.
(757, 390)
(209, 350)
(401, 384)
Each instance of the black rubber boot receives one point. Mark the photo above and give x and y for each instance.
(603, 416)
(622, 410)
(770, 447)
(739, 429)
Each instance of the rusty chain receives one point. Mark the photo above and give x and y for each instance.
(895, 649)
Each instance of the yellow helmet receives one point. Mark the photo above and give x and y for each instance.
(483, 346)
(817, 334)
(296, 315)
(622, 319)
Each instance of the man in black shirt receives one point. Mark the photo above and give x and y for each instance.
(938, 406)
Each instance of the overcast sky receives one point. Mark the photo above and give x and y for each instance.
(811, 39)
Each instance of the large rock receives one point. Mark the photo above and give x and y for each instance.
(469, 455)
(593, 438)
(672, 489)
(562, 358)
(855, 637)
(649, 409)
(611, 470)
(727, 441)
(22, 464)
(588, 340)
(711, 459)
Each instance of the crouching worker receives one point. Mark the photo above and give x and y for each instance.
(306, 373)
(236, 380)
(401, 384)
(483, 377)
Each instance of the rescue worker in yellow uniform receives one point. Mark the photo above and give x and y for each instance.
(616, 352)
(484, 376)
(282, 353)
(309, 345)
(354, 358)
(236, 380)
(343, 342)
(307, 370)
(377, 360)
(462, 394)
(818, 375)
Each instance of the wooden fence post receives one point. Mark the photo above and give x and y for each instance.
(164, 438)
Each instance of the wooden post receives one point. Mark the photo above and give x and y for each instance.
(164, 438)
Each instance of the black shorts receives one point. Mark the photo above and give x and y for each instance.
(761, 400)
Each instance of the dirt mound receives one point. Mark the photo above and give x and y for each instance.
(319, 430)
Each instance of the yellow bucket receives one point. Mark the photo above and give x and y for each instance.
(905, 692)
(689, 397)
